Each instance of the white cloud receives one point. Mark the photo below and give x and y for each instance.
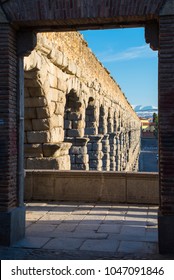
(129, 54)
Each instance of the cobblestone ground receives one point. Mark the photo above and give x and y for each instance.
(87, 231)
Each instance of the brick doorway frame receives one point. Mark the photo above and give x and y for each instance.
(19, 20)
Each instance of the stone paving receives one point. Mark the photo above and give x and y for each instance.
(87, 231)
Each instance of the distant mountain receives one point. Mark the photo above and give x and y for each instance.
(145, 111)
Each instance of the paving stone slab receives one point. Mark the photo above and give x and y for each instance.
(107, 228)
(74, 218)
(41, 227)
(133, 223)
(99, 212)
(37, 208)
(87, 226)
(132, 233)
(30, 216)
(43, 230)
(64, 243)
(65, 227)
(87, 234)
(48, 222)
(151, 235)
(81, 211)
(151, 248)
(64, 209)
(100, 245)
(32, 242)
(96, 217)
(91, 222)
(54, 218)
(113, 217)
(131, 247)
(138, 219)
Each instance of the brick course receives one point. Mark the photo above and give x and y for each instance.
(81, 13)
(8, 118)
(166, 117)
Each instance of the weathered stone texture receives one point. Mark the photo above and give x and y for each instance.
(69, 95)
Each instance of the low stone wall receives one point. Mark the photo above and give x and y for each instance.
(119, 187)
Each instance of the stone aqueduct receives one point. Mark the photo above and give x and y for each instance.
(19, 21)
(76, 116)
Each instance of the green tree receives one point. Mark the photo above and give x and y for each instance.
(155, 120)
(155, 117)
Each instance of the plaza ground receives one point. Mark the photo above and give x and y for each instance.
(148, 161)
(65, 230)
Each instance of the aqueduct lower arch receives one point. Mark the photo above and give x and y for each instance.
(18, 22)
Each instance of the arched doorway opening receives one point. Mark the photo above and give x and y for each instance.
(158, 20)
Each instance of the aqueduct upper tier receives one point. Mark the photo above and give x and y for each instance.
(76, 116)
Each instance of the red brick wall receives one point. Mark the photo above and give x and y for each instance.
(82, 12)
(166, 113)
(8, 129)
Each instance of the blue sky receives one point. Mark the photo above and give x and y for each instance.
(130, 61)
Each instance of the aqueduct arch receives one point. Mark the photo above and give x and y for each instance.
(65, 87)
(18, 22)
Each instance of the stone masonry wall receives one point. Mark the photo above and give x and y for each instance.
(76, 116)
